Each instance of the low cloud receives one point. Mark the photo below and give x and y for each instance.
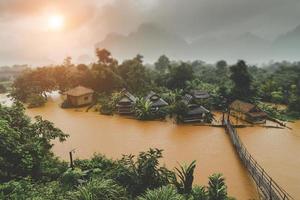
(89, 21)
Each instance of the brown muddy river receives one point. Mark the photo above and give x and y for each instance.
(277, 150)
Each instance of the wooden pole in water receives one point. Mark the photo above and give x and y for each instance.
(223, 113)
(71, 160)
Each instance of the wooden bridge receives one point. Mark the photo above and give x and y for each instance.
(268, 188)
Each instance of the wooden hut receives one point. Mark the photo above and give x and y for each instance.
(248, 112)
(156, 101)
(126, 103)
(195, 112)
(79, 96)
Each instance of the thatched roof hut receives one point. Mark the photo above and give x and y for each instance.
(79, 96)
(247, 111)
(126, 103)
(156, 100)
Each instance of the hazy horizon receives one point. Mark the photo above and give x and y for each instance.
(45, 32)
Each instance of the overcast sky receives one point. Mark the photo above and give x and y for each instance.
(25, 38)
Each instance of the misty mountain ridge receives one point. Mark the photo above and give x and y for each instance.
(152, 41)
(149, 40)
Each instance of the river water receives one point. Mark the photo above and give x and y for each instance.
(277, 150)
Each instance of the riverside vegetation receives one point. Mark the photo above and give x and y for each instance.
(29, 169)
(277, 83)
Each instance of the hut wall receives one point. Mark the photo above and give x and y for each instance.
(238, 114)
(81, 100)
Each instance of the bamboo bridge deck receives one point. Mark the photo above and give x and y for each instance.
(268, 188)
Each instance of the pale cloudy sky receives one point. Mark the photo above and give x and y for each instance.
(25, 36)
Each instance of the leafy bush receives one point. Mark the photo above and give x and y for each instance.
(26, 189)
(273, 111)
(25, 147)
(100, 189)
(72, 177)
(179, 109)
(164, 193)
(108, 104)
(106, 108)
(143, 173)
(97, 161)
(35, 100)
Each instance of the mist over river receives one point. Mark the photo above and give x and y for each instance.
(277, 150)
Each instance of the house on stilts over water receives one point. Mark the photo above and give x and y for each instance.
(126, 103)
(79, 96)
(195, 112)
(156, 101)
(248, 112)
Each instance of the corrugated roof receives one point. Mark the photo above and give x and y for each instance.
(128, 95)
(198, 94)
(196, 110)
(79, 91)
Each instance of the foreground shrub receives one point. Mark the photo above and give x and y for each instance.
(217, 189)
(97, 161)
(186, 178)
(199, 193)
(72, 177)
(25, 147)
(143, 173)
(100, 189)
(26, 189)
(107, 103)
(164, 193)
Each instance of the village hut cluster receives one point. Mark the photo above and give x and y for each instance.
(196, 112)
(193, 100)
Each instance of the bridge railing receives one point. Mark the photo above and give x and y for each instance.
(268, 187)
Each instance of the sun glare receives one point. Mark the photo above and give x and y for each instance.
(56, 22)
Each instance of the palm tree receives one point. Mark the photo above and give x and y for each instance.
(217, 189)
(143, 109)
(186, 178)
(199, 193)
(100, 189)
(163, 193)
